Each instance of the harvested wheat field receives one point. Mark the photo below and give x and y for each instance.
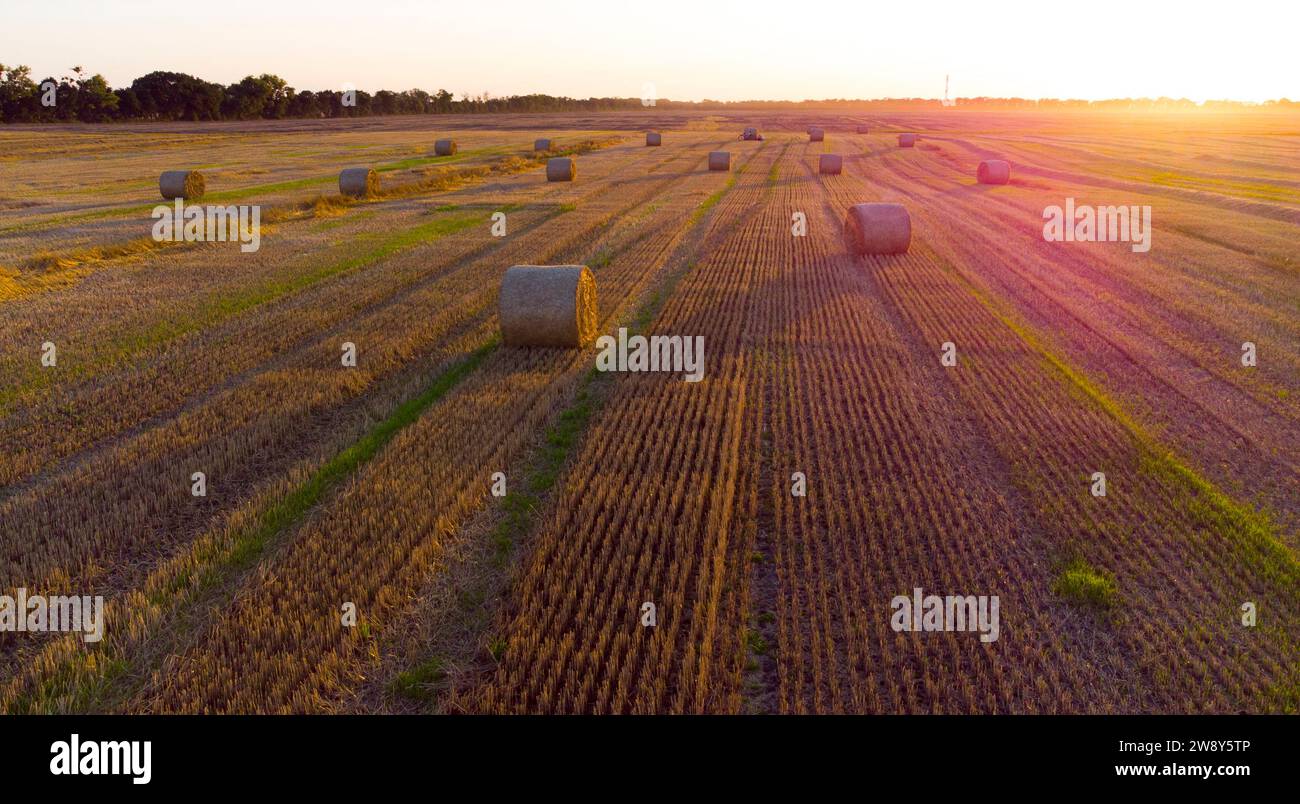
(310, 476)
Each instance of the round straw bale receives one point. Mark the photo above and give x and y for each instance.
(444, 147)
(358, 182)
(877, 229)
(719, 160)
(181, 184)
(751, 133)
(830, 163)
(863, 130)
(561, 168)
(653, 138)
(816, 134)
(906, 140)
(541, 145)
(548, 305)
(994, 171)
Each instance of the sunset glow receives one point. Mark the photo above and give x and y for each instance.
(728, 50)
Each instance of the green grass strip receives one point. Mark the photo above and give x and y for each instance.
(712, 201)
(219, 307)
(293, 508)
(1217, 510)
(251, 191)
(82, 691)
(521, 507)
(460, 156)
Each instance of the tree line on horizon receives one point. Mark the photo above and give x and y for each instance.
(163, 95)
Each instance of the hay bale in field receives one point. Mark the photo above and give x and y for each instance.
(719, 160)
(750, 133)
(445, 147)
(548, 305)
(561, 168)
(993, 171)
(906, 140)
(832, 164)
(358, 182)
(816, 134)
(181, 184)
(653, 138)
(541, 145)
(877, 229)
(863, 130)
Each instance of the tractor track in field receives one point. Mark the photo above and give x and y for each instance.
(454, 641)
(1135, 651)
(902, 510)
(371, 486)
(1260, 209)
(403, 291)
(180, 688)
(395, 384)
(963, 440)
(1197, 409)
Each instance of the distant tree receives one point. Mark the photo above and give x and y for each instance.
(67, 95)
(361, 108)
(415, 101)
(68, 98)
(63, 101)
(19, 97)
(177, 96)
(304, 105)
(330, 102)
(165, 95)
(128, 104)
(96, 102)
(266, 96)
(385, 102)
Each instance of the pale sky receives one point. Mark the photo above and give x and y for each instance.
(688, 49)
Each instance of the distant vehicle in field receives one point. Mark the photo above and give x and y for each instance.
(751, 133)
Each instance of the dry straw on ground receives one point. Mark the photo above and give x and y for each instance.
(561, 168)
(358, 182)
(1044, 379)
(994, 171)
(877, 229)
(548, 305)
(719, 160)
(181, 184)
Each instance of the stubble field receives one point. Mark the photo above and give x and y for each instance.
(372, 485)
